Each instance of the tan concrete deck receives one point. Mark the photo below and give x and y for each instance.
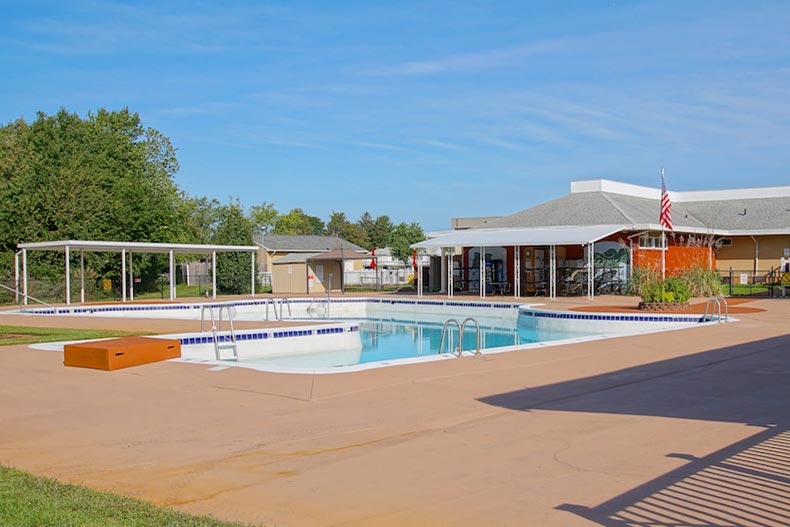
(681, 428)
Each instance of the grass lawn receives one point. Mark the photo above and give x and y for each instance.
(28, 501)
(28, 335)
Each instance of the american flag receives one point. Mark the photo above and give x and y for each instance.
(665, 218)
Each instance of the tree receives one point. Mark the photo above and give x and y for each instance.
(263, 217)
(233, 269)
(105, 177)
(403, 237)
(381, 232)
(337, 221)
(297, 222)
(365, 222)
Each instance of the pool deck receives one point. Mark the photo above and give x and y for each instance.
(687, 427)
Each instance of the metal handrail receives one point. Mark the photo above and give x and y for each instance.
(713, 306)
(461, 334)
(23, 295)
(215, 329)
(287, 303)
(457, 351)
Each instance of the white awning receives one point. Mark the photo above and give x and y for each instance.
(536, 236)
(109, 246)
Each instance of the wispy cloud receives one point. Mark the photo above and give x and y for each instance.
(469, 62)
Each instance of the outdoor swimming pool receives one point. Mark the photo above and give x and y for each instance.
(361, 333)
(387, 340)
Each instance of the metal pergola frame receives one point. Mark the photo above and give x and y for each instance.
(67, 246)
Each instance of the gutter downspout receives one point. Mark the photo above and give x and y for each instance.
(631, 256)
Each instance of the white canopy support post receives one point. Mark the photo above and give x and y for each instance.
(131, 277)
(123, 275)
(442, 272)
(172, 276)
(591, 271)
(214, 274)
(252, 277)
(553, 271)
(450, 273)
(419, 275)
(24, 275)
(482, 271)
(517, 271)
(82, 277)
(16, 276)
(68, 276)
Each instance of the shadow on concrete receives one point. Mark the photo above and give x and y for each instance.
(744, 484)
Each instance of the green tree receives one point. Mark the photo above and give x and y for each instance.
(339, 226)
(365, 223)
(381, 232)
(336, 224)
(263, 217)
(297, 222)
(403, 236)
(233, 269)
(105, 177)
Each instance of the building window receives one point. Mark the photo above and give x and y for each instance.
(726, 242)
(650, 242)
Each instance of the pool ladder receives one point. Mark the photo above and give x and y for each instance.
(713, 306)
(461, 326)
(215, 328)
(274, 303)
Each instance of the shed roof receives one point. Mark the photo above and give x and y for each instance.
(339, 254)
(294, 258)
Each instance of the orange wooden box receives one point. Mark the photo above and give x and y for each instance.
(120, 353)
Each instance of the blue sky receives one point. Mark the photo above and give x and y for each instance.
(421, 110)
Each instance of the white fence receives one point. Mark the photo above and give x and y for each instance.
(384, 277)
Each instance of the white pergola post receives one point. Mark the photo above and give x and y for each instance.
(214, 274)
(517, 271)
(131, 277)
(553, 271)
(82, 277)
(24, 276)
(442, 273)
(482, 272)
(252, 288)
(123, 275)
(68, 276)
(172, 276)
(16, 276)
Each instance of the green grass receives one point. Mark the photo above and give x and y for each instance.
(29, 501)
(10, 335)
(746, 289)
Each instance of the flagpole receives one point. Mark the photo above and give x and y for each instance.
(663, 232)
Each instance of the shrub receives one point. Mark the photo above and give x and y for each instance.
(677, 289)
(641, 278)
(703, 282)
(665, 291)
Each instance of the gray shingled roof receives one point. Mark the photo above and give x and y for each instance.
(605, 208)
(294, 258)
(304, 243)
(743, 214)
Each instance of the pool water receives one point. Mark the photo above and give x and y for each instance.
(385, 340)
